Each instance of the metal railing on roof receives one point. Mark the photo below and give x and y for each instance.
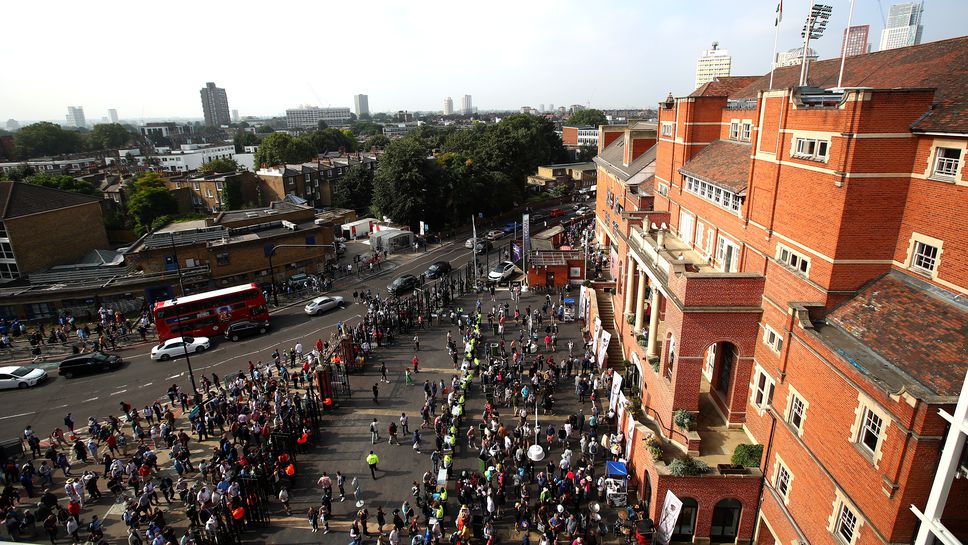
(181, 238)
(741, 104)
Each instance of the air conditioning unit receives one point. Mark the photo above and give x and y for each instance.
(320, 221)
(289, 225)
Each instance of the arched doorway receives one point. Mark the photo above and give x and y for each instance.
(685, 528)
(726, 355)
(725, 526)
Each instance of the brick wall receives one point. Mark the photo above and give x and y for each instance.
(56, 237)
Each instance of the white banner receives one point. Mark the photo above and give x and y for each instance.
(603, 350)
(616, 390)
(595, 332)
(667, 519)
(526, 233)
(629, 437)
(622, 403)
(582, 302)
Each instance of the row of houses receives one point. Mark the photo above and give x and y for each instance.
(788, 272)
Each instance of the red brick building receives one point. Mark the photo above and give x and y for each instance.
(790, 269)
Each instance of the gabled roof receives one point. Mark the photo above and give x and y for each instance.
(932, 65)
(723, 86)
(612, 156)
(904, 333)
(723, 162)
(22, 199)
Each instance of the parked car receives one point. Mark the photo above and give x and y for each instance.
(502, 271)
(323, 304)
(245, 328)
(557, 212)
(581, 210)
(175, 347)
(494, 234)
(535, 218)
(469, 243)
(21, 377)
(403, 284)
(438, 269)
(483, 246)
(510, 228)
(85, 364)
(299, 281)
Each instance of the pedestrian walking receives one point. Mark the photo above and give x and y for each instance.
(404, 424)
(374, 435)
(340, 484)
(383, 372)
(376, 393)
(284, 499)
(372, 460)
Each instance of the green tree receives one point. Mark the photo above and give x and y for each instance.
(42, 139)
(242, 139)
(355, 189)
(149, 199)
(264, 129)
(381, 117)
(586, 153)
(18, 174)
(109, 136)
(220, 165)
(591, 117)
(366, 128)
(232, 194)
(378, 141)
(321, 125)
(65, 183)
(403, 186)
(324, 140)
(280, 147)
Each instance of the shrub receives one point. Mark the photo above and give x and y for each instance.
(747, 455)
(687, 467)
(655, 447)
(684, 419)
(630, 318)
(654, 364)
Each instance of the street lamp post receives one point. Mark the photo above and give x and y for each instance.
(174, 301)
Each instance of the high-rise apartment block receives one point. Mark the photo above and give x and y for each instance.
(75, 117)
(712, 64)
(308, 117)
(215, 105)
(113, 115)
(361, 105)
(794, 56)
(787, 306)
(448, 106)
(903, 26)
(235, 116)
(855, 41)
(466, 106)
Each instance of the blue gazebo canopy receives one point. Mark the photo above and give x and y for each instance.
(616, 469)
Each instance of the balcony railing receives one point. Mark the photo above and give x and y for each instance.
(946, 166)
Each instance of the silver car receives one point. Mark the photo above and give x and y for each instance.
(323, 304)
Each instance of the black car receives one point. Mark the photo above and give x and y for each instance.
(438, 269)
(483, 246)
(245, 328)
(535, 218)
(403, 284)
(91, 362)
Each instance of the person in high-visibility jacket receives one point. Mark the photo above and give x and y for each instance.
(372, 460)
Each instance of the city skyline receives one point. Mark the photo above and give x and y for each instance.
(500, 74)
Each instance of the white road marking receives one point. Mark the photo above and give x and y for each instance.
(175, 376)
(17, 415)
(145, 385)
(92, 399)
(119, 392)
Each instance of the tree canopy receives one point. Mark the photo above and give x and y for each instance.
(109, 136)
(378, 141)
(366, 128)
(280, 147)
(242, 139)
(148, 200)
(324, 140)
(590, 117)
(483, 168)
(63, 182)
(220, 165)
(43, 139)
(264, 129)
(354, 190)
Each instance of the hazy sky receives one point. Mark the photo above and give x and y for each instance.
(151, 59)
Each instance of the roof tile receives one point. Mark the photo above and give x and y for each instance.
(723, 162)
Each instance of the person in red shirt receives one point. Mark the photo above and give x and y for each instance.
(415, 362)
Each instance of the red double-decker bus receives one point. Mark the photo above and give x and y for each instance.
(209, 313)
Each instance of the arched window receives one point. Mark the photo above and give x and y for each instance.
(725, 521)
(686, 523)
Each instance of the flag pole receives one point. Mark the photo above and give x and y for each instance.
(776, 37)
(843, 47)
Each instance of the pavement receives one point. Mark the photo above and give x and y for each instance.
(345, 437)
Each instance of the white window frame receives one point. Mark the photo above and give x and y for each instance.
(762, 390)
(721, 243)
(687, 226)
(772, 339)
(793, 260)
(734, 130)
(845, 518)
(666, 128)
(723, 198)
(794, 399)
(662, 189)
(868, 407)
(946, 167)
(197, 186)
(782, 479)
(209, 193)
(746, 131)
(811, 149)
(919, 242)
(871, 423)
(925, 257)
(700, 235)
